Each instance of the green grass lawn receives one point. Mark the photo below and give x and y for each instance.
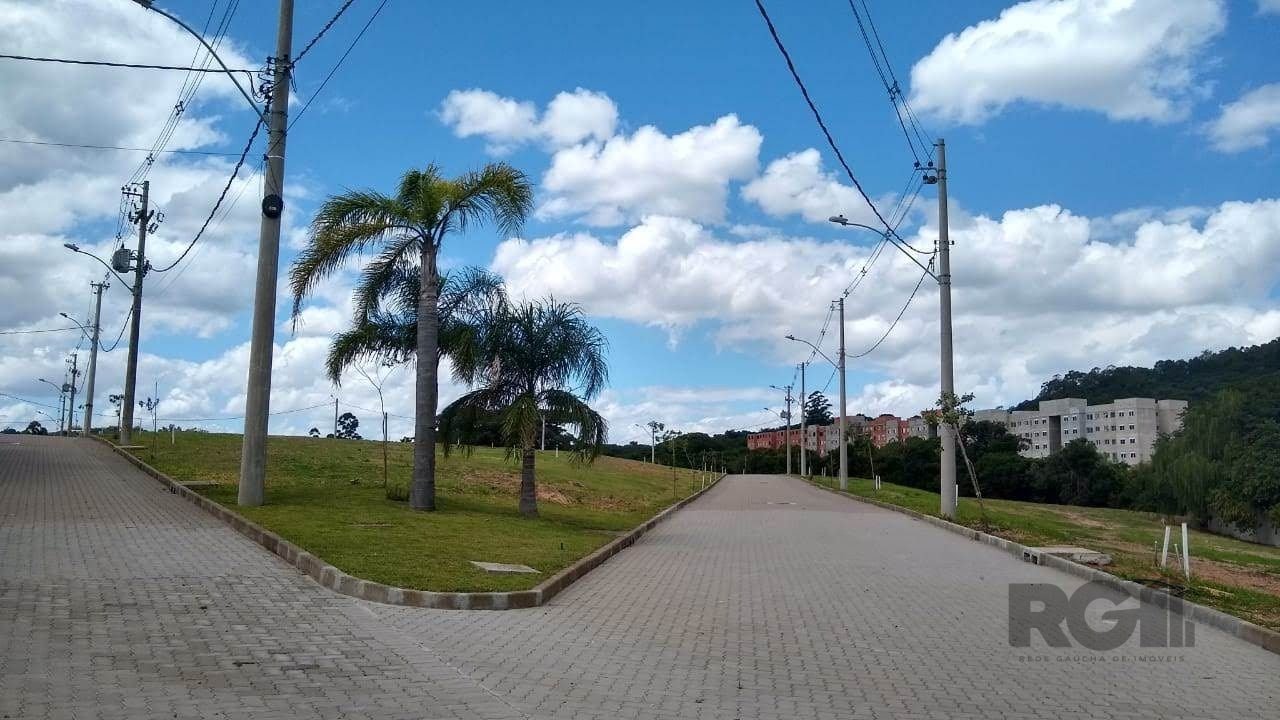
(327, 497)
(1231, 575)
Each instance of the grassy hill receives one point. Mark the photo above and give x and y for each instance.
(1191, 379)
(327, 496)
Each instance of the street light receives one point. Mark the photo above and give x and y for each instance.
(76, 249)
(62, 390)
(839, 366)
(938, 176)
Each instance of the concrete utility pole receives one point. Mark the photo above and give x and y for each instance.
(946, 432)
(335, 418)
(844, 430)
(93, 356)
(143, 218)
(787, 442)
(804, 438)
(71, 406)
(253, 456)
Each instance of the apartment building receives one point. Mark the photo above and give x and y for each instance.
(1124, 430)
(773, 439)
(817, 438)
(920, 427)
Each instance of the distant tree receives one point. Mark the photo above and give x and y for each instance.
(9, 431)
(1194, 379)
(314, 432)
(1078, 474)
(35, 428)
(347, 426)
(817, 409)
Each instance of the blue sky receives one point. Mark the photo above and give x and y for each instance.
(1087, 183)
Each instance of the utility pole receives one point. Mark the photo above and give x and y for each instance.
(946, 432)
(844, 431)
(62, 408)
(71, 406)
(93, 356)
(544, 433)
(143, 218)
(253, 456)
(335, 418)
(804, 437)
(786, 443)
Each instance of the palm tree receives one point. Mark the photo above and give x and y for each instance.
(408, 230)
(385, 327)
(533, 360)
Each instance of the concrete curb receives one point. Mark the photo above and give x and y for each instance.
(340, 582)
(1243, 629)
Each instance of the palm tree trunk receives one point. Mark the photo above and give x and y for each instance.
(422, 493)
(528, 486)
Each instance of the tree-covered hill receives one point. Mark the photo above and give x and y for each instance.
(1192, 379)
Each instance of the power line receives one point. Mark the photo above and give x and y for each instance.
(140, 66)
(337, 65)
(29, 332)
(795, 75)
(29, 402)
(110, 147)
(241, 417)
(173, 279)
(880, 59)
(901, 312)
(190, 85)
(323, 30)
(221, 196)
(120, 334)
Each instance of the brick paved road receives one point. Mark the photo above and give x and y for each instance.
(765, 599)
(742, 607)
(121, 600)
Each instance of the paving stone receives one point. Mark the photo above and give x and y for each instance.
(119, 599)
(768, 598)
(764, 599)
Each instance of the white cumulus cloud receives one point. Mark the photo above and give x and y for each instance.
(1037, 291)
(650, 172)
(1248, 122)
(1127, 59)
(798, 185)
(570, 118)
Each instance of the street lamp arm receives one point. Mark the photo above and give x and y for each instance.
(76, 249)
(888, 235)
(83, 329)
(834, 364)
(149, 5)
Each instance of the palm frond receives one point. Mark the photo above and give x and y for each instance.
(566, 408)
(380, 337)
(385, 275)
(462, 417)
(345, 225)
(499, 193)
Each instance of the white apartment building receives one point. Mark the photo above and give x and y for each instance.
(1124, 430)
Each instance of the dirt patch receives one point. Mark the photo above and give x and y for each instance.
(1081, 519)
(506, 484)
(1225, 573)
(609, 504)
(1216, 571)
